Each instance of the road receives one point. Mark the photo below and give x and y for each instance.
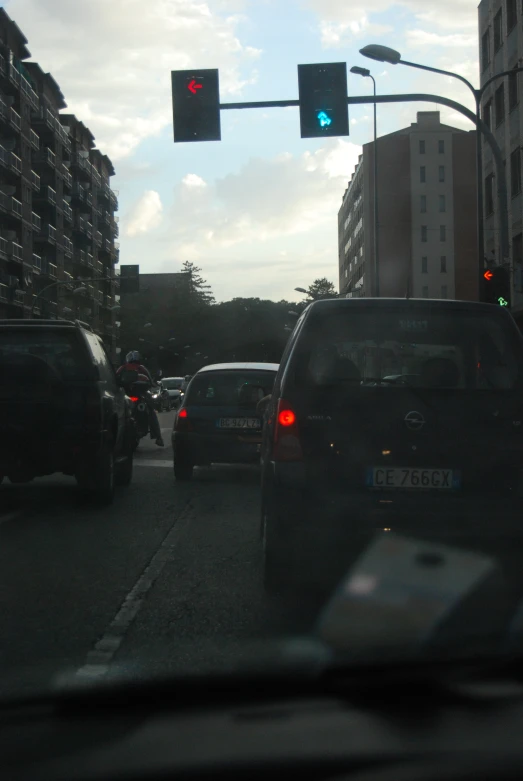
(168, 575)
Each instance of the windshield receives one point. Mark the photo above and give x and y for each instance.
(314, 261)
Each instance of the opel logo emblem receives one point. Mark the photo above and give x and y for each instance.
(414, 420)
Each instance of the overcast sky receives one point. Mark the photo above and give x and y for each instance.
(257, 210)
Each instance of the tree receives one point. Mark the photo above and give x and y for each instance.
(321, 288)
(199, 291)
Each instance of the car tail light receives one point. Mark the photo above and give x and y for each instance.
(286, 443)
(182, 421)
(134, 398)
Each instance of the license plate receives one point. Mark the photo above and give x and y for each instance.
(406, 477)
(240, 423)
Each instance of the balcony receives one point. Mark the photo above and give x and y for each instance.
(29, 92)
(3, 65)
(49, 269)
(15, 251)
(99, 267)
(97, 179)
(14, 75)
(90, 260)
(36, 221)
(5, 158)
(80, 256)
(68, 212)
(82, 165)
(98, 238)
(45, 157)
(68, 277)
(4, 110)
(48, 194)
(68, 246)
(35, 181)
(105, 192)
(47, 233)
(68, 179)
(3, 247)
(16, 163)
(4, 291)
(34, 138)
(19, 297)
(82, 194)
(43, 116)
(15, 119)
(14, 206)
(37, 262)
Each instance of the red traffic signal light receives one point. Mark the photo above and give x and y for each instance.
(488, 275)
(196, 105)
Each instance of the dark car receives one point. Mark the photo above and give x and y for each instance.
(350, 447)
(61, 407)
(218, 421)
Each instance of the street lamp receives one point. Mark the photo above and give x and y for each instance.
(58, 283)
(300, 290)
(365, 72)
(393, 57)
(147, 325)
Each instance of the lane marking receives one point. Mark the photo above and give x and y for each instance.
(99, 658)
(152, 462)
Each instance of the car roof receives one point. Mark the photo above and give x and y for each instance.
(180, 379)
(218, 367)
(402, 303)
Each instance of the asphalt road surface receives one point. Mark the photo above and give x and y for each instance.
(167, 578)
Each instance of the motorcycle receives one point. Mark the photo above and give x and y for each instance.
(137, 391)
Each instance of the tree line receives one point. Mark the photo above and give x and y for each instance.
(192, 330)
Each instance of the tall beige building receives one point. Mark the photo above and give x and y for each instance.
(427, 215)
(501, 49)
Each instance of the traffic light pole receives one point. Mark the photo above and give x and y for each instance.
(425, 98)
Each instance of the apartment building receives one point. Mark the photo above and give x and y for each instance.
(57, 210)
(501, 49)
(427, 218)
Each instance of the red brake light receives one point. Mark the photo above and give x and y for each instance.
(183, 423)
(134, 398)
(286, 417)
(286, 444)
(182, 413)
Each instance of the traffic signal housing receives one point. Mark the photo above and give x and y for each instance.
(323, 100)
(129, 279)
(496, 286)
(196, 105)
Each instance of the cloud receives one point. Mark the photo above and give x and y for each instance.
(112, 59)
(145, 215)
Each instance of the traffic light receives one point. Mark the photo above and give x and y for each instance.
(323, 100)
(129, 279)
(496, 286)
(196, 105)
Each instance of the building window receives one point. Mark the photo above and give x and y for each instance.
(512, 15)
(499, 100)
(443, 264)
(422, 147)
(424, 233)
(489, 194)
(422, 174)
(498, 30)
(442, 173)
(513, 97)
(444, 291)
(515, 172)
(425, 291)
(423, 203)
(442, 204)
(441, 147)
(485, 49)
(442, 233)
(487, 114)
(424, 265)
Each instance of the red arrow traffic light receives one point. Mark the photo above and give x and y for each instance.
(488, 275)
(193, 86)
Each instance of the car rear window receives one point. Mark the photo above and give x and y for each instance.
(230, 388)
(459, 349)
(61, 352)
(172, 384)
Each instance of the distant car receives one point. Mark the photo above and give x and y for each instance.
(218, 421)
(174, 388)
(62, 407)
(351, 448)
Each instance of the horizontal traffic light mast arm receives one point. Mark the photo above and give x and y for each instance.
(424, 98)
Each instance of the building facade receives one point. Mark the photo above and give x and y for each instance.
(501, 49)
(427, 224)
(57, 210)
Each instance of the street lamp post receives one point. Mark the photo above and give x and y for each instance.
(393, 57)
(80, 289)
(365, 72)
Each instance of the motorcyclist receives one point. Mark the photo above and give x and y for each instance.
(133, 363)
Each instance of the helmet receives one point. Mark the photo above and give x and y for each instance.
(132, 357)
